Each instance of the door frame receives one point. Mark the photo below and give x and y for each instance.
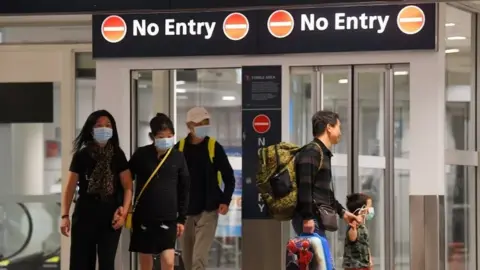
(115, 74)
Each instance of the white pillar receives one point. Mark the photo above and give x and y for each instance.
(28, 157)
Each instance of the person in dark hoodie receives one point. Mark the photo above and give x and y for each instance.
(161, 196)
(212, 185)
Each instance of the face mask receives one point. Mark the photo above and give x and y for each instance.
(202, 131)
(370, 214)
(164, 143)
(102, 134)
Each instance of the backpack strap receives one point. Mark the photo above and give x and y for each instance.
(181, 145)
(211, 155)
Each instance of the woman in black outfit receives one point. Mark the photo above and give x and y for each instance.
(100, 169)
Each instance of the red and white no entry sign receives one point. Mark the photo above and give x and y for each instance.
(261, 123)
(114, 29)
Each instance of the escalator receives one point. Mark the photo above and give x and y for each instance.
(40, 245)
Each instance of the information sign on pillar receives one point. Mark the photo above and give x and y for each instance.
(261, 126)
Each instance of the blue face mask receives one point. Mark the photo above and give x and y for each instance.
(102, 134)
(164, 143)
(202, 131)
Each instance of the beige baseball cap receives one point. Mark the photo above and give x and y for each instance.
(197, 115)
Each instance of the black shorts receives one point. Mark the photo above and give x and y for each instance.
(153, 237)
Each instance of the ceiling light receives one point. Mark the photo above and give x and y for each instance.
(343, 81)
(180, 82)
(228, 98)
(452, 50)
(182, 97)
(457, 38)
(180, 90)
(400, 73)
(449, 24)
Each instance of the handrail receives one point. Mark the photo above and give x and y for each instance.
(29, 235)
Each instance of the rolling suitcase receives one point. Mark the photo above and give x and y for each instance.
(309, 252)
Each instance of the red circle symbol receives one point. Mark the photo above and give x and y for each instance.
(236, 26)
(411, 20)
(280, 23)
(261, 123)
(114, 29)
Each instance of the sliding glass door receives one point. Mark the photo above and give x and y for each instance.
(372, 102)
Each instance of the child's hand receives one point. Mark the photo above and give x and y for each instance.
(353, 225)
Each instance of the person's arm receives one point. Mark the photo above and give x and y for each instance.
(125, 179)
(69, 189)
(306, 169)
(222, 164)
(339, 207)
(183, 188)
(352, 233)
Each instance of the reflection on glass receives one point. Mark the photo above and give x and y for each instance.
(459, 73)
(460, 217)
(335, 90)
(371, 183)
(371, 173)
(29, 237)
(301, 108)
(219, 91)
(401, 124)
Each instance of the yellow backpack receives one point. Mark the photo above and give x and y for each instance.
(211, 155)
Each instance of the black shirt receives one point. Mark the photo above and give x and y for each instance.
(166, 196)
(83, 164)
(314, 180)
(205, 193)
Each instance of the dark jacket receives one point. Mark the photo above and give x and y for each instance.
(205, 193)
(314, 183)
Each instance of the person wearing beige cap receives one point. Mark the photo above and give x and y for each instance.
(211, 188)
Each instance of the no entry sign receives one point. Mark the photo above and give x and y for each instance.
(261, 123)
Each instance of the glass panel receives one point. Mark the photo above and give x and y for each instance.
(371, 85)
(302, 85)
(460, 217)
(29, 236)
(46, 34)
(401, 181)
(220, 92)
(335, 88)
(459, 80)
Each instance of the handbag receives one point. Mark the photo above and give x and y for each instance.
(327, 213)
(178, 261)
(128, 221)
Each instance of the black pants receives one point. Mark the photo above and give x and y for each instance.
(92, 233)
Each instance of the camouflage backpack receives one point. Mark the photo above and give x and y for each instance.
(276, 179)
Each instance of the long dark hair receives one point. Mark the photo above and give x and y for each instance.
(86, 134)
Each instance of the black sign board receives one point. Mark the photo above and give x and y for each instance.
(261, 126)
(336, 29)
(343, 29)
(92, 6)
(180, 34)
(26, 102)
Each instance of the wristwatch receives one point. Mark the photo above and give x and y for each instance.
(65, 216)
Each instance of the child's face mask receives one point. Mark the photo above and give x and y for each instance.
(368, 213)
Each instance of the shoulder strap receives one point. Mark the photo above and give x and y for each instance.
(320, 167)
(211, 149)
(181, 145)
(150, 178)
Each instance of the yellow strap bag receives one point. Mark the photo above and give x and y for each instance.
(211, 155)
(128, 221)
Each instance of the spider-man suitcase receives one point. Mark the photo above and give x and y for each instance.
(309, 252)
